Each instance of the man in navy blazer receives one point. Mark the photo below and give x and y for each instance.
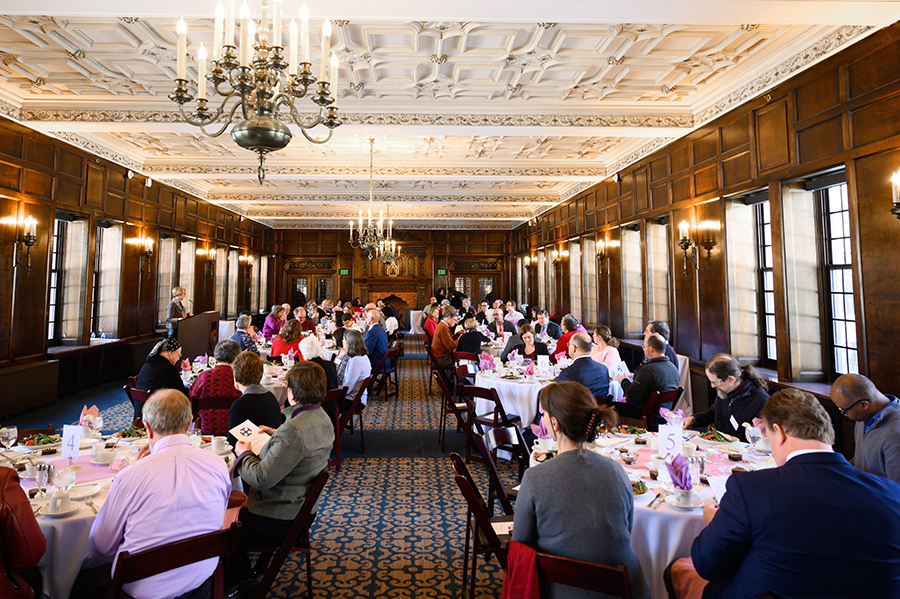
(815, 526)
(376, 338)
(584, 370)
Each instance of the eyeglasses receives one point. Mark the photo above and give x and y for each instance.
(853, 405)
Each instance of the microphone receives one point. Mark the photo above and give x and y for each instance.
(189, 300)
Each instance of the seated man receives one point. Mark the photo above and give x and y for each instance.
(376, 338)
(514, 341)
(591, 374)
(446, 338)
(218, 381)
(242, 334)
(660, 328)
(547, 326)
(877, 431)
(500, 326)
(813, 527)
(656, 374)
(513, 315)
(174, 491)
(22, 544)
(486, 315)
(302, 316)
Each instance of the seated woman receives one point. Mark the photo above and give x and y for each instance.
(161, 370)
(472, 339)
(569, 326)
(529, 348)
(311, 349)
(354, 367)
(279, 477)
(432, 318)
(257, 404)
(579, 504)
(218, 381)
(740, 393)
(605, 351)
(288, 339)
(274, 321)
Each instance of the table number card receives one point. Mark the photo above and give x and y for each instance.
(70, 441)
(543, 363)
(670, 440)
(249, 432)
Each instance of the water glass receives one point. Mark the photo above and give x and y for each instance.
(8, 436)
(754, 434)
(96, 424)
(64, 479)
(44, 477)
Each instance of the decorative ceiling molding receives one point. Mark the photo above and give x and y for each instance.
(379, 198)
(273, 169)
(426, 225)
(396, 215)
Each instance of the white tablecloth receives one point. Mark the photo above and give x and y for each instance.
(415, 322)
(519, 397)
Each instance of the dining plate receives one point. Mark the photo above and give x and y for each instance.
(227, 449)
(83, 491)
(695, 503)
(731, 448)
(37, 447)
(96, 462)
(45, 511)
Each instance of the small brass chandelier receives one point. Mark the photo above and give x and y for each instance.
(370, 236)
(254, 76)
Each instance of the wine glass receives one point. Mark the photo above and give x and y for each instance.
(8, 436)
(95, 424)
(44, 476)
(64, 479)
(754, 434)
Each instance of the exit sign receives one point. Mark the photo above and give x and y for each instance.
(442, 272)
(345, 272)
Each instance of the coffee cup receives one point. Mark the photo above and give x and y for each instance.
(684, 497)
(657, 461)
(688, 449)
(543, 444)
(60, 502)
(104, 456)
(30, 469)
(219, 443)
(764, 444)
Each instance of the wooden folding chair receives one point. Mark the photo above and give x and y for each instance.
(131, 567)
(24, 433)
(449, 404)
(487, 445)
(471, 366)
(609, 580)
(137, 397)
(346, 416)
(386, 375)
(297, 539)
(132, 382)
(497, 418)
(486, 540)
(332, 405)
(435, 370)
(651, 410)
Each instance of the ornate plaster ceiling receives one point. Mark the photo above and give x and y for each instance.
(479, 122)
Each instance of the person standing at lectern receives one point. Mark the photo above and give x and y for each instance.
(175, 311)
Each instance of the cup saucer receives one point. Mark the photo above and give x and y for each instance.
(45, 511)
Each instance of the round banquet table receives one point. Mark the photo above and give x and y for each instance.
(68, 546)
(494, 350)
(520, 398)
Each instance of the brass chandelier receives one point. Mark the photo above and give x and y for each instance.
(253, 75)
(370, 236)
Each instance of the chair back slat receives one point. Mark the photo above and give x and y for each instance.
(655, 400)
(354, 407)
(609, 580)
(495, 485)
(136, 395)
(131, 567)
(500, 417)
(479, 511)
(132, 382)
(465, 356)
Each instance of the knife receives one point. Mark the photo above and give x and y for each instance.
(654, 500)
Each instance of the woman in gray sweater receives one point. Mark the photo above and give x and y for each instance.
(579, 504)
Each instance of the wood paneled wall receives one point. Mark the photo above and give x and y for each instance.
(40, 175)
(842, 113)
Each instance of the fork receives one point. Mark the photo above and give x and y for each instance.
(90, 503)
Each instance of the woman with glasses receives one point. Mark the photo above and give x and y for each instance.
(740, 396)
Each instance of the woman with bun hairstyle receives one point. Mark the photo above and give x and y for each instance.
(606, 351)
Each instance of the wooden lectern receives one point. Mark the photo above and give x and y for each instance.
(198, 334)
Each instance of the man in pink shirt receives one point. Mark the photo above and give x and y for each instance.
(174, 491)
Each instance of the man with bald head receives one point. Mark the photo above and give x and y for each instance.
(591, 374)
(877, 418)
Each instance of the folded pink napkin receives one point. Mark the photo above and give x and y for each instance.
(203, 360)
(529, 370)
(680, 471)
(539, 431)
(560, 355)
(486, 362)
(511, 356)
(88, 414)
(185, 364)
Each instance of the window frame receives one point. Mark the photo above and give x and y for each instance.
(762, 269)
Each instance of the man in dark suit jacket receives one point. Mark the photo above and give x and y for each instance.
(485, 316)
(544, 324)
(815, 526)
(656, 374)
(584, 370)
(658, 327)
(376, 338)
(500, 326)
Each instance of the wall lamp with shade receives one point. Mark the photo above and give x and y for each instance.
(895, 192)
(25, 241)
(687, 246)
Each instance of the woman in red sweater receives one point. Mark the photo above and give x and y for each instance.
(288, 339)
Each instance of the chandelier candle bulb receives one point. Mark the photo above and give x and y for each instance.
(683, 230)
(181, 29)
(895, 187)
(292, 56)
(326, 45)
(30, 227)
(229, 24)
(217, 31)
(245, 35)
(264, 21)
(351, 230)
(334, 78)
(304, 34)
(201, 73)
(276, 23)
(360, 220)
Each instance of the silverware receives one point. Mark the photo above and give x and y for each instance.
(654, 500)
(90, 503)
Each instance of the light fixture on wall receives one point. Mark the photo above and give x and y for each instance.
(895, 192)
(146, 245)
(24, 241)
(601, 256)
(557, 257)
(370, 235)
(530, 262)
(257, 75)
(210, 256)
(246, 259)
(707, 234)
(687, 246)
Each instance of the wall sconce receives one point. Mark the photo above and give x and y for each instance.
(146, 251)
(601, 256)
(149, 182)
(895, 192)
(557, 257)
(248, 259)
(210, 256)
(24, 243)
(707, 234)
(687, 246)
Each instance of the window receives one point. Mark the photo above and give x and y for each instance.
(658, 271)
(520, 281)
(575, 278)
(542, 282)
(838, 279)
(107, 280)
(765, 284)
(232, 282)
(253, 277)
(187, 262)
(589, 279)
(463, 285)
(57, 266)
(168, 263)
(221, 273)
(263, 283)
(632, 281)
(551, 281)
(322, 289)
